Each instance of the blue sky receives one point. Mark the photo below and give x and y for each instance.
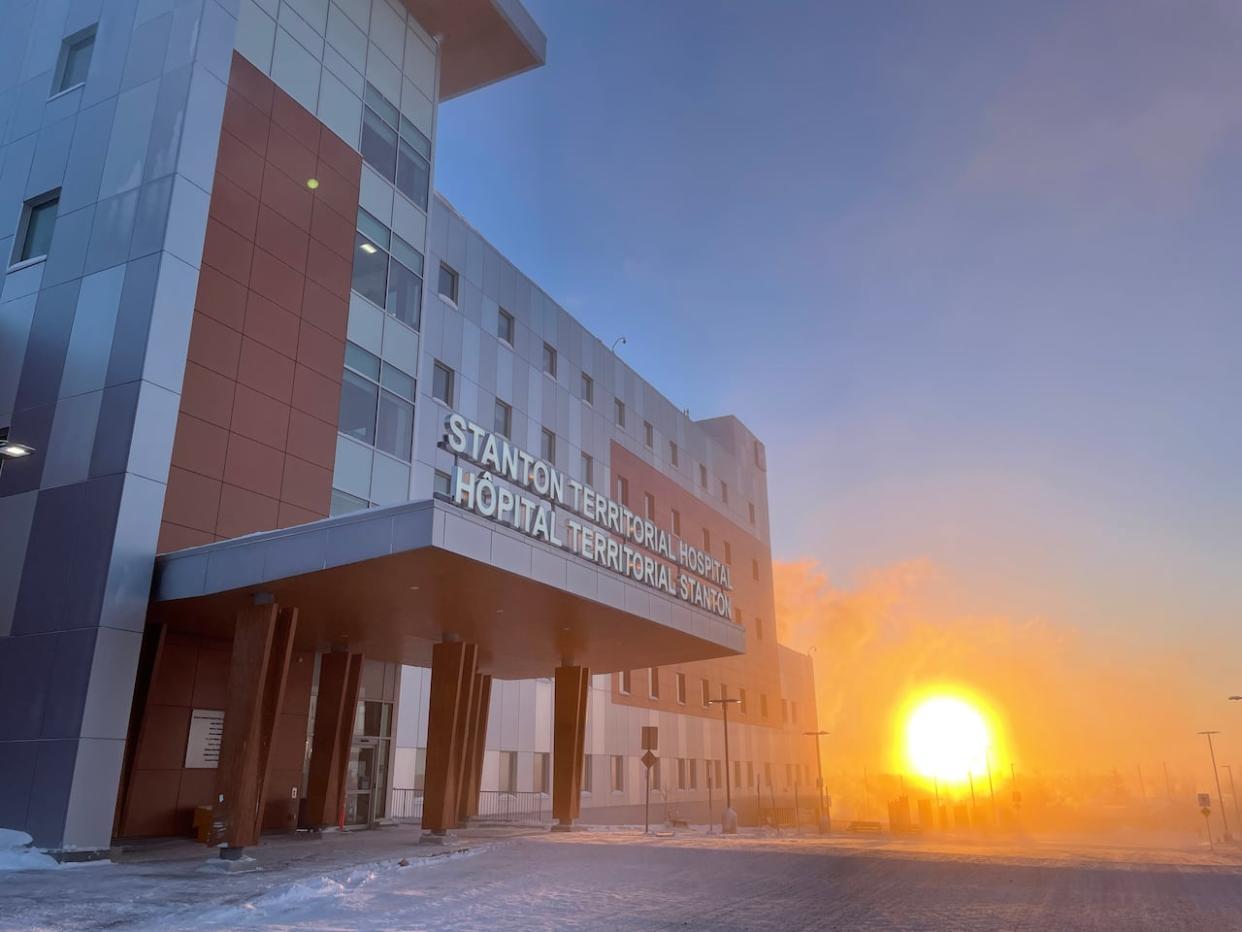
(972, 271)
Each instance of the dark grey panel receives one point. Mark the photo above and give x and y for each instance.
(67, 255)
(86, 157)
(25, 667)
(53, 775)
(148, 46)
(47, 346)
(17, 769)
(66, 691)
(114, 432)
(51, 155)
(33, 427)
(133, 320)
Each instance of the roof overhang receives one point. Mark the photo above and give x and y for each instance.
(481, 41)
(391, 582)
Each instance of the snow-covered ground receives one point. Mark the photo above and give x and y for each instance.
(619, 880)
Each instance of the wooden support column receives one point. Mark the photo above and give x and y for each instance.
(452, 684)
(468, 804)
(568, 742)
(262, 640)
(335, 704)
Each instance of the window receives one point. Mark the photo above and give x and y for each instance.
(750, 507)
(763, 704)
(588, 469)
(741, 706)
(672, 452)
(620, 412)
(504, 326)
(649, 435)
(588, 389)
(707, 691)
(549, 359)
(754, 569)
(681, 773)
(623, 490)
(387, 270)
(789, 779)
(395, 147)
(547, 446)
(760, 459)
(649, 506)
(707, 540)
(588, 772)
(694, 773)
(681, 688)
(442, 384)
(343, 503)
(503, 419)
(724, 491)
(75, 60)
(541, 781)
(34, 237)
(750, 773)
(676, 519)
(377, 403)
(618, 773)
(448, 283)
(508, 772)
(737, 773)
(759, 629)
(442, 484)
(737, 614)
(719, 773)
(784, 710)
(702, 475)
(767, 772)
(625, 680)
(653, 682)
(793, 711)
(728, 555)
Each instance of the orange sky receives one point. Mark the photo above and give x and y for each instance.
(1068, 701)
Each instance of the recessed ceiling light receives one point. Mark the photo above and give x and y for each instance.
(312, 183)
(15, 450)
(368, 249)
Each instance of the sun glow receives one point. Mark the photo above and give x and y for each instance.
(948, 738)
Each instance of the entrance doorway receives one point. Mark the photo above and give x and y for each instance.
(366, 784)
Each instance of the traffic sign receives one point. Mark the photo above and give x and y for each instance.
(649, 760)
(1205, 802)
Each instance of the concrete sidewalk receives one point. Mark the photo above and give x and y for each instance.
(146, 882)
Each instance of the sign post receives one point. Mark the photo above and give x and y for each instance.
(1205, 807)
(650, 742)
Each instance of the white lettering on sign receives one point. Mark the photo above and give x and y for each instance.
(202, 751)
(602, 531)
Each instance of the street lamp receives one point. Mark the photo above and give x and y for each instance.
(1235, 698)
(1233, 791)
(1216, 773)
(728, 821)
(819, 766)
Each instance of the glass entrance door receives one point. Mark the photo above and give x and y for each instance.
(366, 783)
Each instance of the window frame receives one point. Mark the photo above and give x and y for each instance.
(547, 438)
(506, 327)
(588, 389)
(549, 359)
(649, 435)
(501, 408)
(619, 413)
(68, 46)
(18, 258)
(438, 368)
(454, 281)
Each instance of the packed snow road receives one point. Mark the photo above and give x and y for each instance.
(617, 881)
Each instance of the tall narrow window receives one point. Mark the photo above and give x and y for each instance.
(707, 691)
(728, 553)
(681, 688)
(707, 540)
(649, 435)
(588, 389)
(724, 491)
(588, 469)
(503, 419)
(75, 60)
(505, 326)
(508, 772)
(759, 629)
(754, 568)
(672, 452)
(620, 412)
(38, 223)
(588, 772)
(702, 475)
(618, 773)
(751, 508)
(625, 681)
(623, 490)
(442, 384)
(549, 359)
(448, 282)
(649, 508)
(675, 515)
(548, 446)
(653, 682)
(542, 767)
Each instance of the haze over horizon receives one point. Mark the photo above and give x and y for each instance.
(979, 300)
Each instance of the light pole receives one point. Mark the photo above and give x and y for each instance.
(819, 767)
(728, 821)
(1216, 773)
(1233, 792)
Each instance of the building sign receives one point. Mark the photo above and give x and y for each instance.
(202, 751)
(524, 492)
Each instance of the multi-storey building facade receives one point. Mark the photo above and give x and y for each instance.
(245, 576)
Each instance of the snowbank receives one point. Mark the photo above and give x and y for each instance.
(16, 853)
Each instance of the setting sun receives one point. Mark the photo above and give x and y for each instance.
(947, 739)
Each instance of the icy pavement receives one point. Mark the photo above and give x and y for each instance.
(620, 880)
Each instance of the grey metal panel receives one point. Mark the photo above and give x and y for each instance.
(87, 154)
(114, 229)
(69, 676)
(72, 439)
(46, 348)
(25, 667)
(67, 254)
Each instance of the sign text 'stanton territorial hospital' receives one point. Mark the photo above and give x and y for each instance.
(601, 530)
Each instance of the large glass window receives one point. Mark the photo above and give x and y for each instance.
(38, 225)
(377, 403)
(379, 134)
(448, 282)
(503, 424)
(505, 326)
(388, 270)
(75, 60)
(442, 384)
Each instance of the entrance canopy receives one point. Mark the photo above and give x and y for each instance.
(391, 582)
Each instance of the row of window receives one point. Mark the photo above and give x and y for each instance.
(625, 684)
(449, 283)
(395, 147)
(388, 271)
(377, 403)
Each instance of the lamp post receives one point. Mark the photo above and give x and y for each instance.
(1233, 792)
(1216, 773)
(819, 767)
(728, 822)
